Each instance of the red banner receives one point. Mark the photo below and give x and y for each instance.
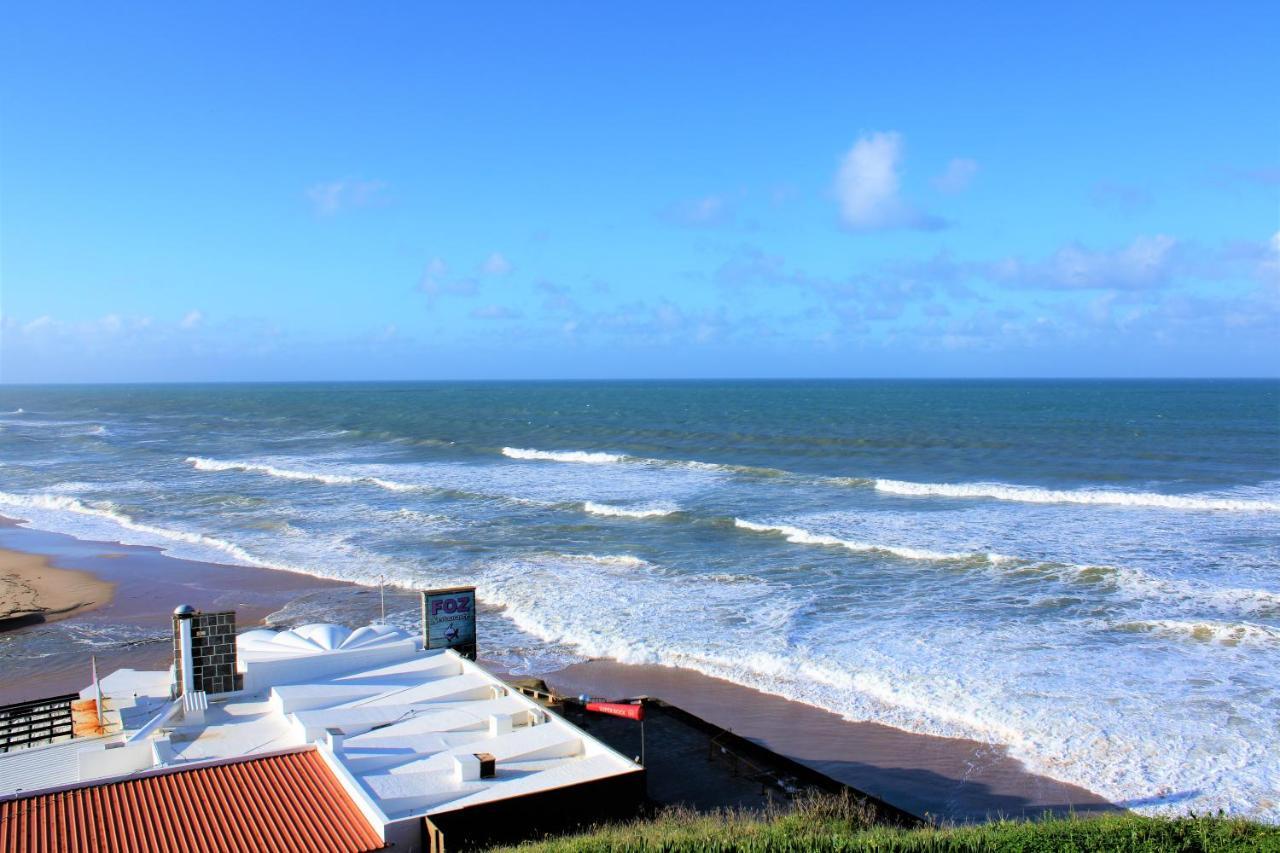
(617, 709)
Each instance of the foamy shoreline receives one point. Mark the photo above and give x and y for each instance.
(949, 777)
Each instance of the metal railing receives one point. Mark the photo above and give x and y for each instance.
(36, 722)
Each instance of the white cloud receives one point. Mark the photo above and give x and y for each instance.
(41, 322)
(866, 186)
(1269, 266)
(436, 282)
(496, 264)
(192, 319)
(1146, 262)
(959, 173)
(335, 196)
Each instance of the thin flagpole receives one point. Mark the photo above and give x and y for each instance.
(97, 686)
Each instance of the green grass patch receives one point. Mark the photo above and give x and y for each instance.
(837, 825)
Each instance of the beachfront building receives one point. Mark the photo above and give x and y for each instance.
(422, 748)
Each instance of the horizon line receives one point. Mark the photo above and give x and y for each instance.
(688, 379)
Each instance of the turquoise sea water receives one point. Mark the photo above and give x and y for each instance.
(1088, 572)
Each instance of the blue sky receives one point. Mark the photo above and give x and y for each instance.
(274, 192)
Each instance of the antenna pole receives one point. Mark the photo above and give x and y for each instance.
(97, 687)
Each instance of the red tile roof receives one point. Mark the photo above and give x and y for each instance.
(282, 802)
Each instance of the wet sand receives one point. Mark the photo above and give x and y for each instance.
(947, 778)
(33, 592)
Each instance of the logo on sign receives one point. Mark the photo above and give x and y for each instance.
(462, 604)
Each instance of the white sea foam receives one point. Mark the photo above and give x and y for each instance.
(404, 513)
(1113, 741)
(801, 536)
(562, 456)
(107, 512)
(509, 484)
(600, 458)
(200, 463)
(1095, 731)
(625, 560)
(1031, 494)
(1254, 601)
(1126, 583)
(656, 511)
(336, 560)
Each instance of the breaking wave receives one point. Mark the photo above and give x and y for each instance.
(107, 512)
(1205, 631)
(800, 536)
(563, 456)
(630, 512)
(200, 463)
(1031, 494)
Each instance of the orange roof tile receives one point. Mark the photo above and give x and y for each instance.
(282, 802)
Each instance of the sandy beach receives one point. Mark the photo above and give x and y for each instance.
(947, 778)
(129, 623)
(32, 591)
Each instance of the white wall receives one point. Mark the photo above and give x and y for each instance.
(261, 674)
(117, 761)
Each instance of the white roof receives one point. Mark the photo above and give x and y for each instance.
(264, 643)
(398, 724)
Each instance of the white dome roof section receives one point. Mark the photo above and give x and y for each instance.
(264, 643)
(327, 637)
(374, 635)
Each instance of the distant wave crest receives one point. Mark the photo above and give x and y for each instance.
(562, 456)
(1031, 494)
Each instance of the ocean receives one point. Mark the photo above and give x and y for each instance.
(1087, 572)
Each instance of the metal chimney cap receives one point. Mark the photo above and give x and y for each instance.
(184, 611)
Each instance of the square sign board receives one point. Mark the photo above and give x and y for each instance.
(449, 619)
